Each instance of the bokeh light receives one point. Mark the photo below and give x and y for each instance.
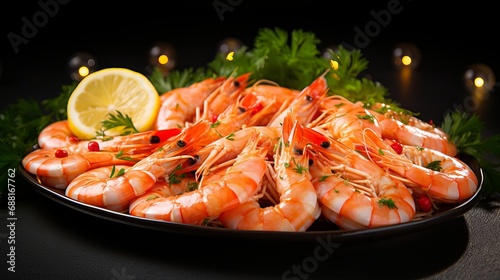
(328, 51)
(81, 64)
(163, 56)
(228, 47)
(406, 55)
(479, 79)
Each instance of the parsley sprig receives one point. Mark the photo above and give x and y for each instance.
(118, 120)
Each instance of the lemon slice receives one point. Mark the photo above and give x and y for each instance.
(109, 91)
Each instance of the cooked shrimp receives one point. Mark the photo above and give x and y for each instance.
(57, 167)
(223, 140)
(344, 120)
(298, 207)
(305, 105)
(55, 135)
(442, 177)
(354, 192)
(414, 134)
(405, 118)
(139, 178)
(92, 187)
(58, 135)
(227, 148)
(240, 182)
(236, 115)
(346, 127)
(179, 105)
(218, 100)
(272, 96)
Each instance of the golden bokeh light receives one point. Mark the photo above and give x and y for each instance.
(81, 65)
(163, 59)
(163, 56)
(479, 79)
(406, 55)
(83, 71)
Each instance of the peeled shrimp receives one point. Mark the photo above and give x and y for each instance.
(298, 207)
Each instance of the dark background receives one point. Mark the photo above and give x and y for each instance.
(119, 34)
(54, 240)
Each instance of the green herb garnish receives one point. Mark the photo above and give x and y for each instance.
(434, 165)
(387, 202)
(119, 120)
(465, 130)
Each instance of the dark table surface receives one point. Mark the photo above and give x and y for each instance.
(54, 241)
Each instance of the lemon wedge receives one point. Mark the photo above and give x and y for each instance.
(109, 91)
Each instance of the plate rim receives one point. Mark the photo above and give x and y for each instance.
(339, 235)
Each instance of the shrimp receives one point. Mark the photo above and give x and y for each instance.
(229, 123)
(237, 115)
(273, 97)
(226, 94)
(224, 133)
(298, 207)
(58, 135)
(55, 135)
(405, 118)
(344, 120)
(239, 183)
(355, 193)
(414, 133)
(442, 177)
(57, 168)
(227, 148)
(179, 105)
(59, 165)
(346, 127)
(305, 105)
(140, 177)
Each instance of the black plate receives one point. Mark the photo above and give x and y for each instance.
(320, 229)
